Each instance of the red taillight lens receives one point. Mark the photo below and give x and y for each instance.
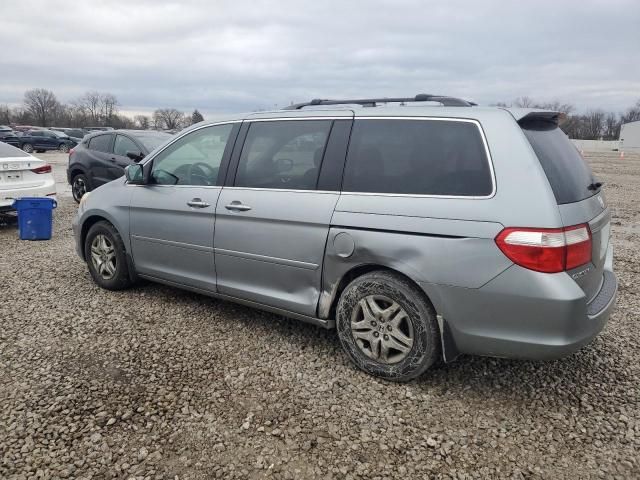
(71, 151)
(42, 169)
(548, 250)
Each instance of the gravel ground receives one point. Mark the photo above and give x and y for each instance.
(155, 382)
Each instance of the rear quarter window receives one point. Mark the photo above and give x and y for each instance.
(567, 172)
(421, 157)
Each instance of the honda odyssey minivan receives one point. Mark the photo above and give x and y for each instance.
(418, 231)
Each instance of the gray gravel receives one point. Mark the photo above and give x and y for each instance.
(155, 382)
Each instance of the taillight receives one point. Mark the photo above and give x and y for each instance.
(548, 250)
(42, 169)
(71, 151)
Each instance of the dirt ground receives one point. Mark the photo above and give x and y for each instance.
(155, 382)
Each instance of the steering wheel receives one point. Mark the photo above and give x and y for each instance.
(198, 170)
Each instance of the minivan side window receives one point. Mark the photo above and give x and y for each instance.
(418, 157)
(283, 154)
(101, 143)
(194, 159)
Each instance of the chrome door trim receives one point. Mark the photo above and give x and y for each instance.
(267, 259)
(172, 243)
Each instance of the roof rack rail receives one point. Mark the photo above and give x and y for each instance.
(372, 102)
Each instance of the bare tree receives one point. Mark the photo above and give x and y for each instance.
(143, 122)
(168, 118)
(523, 102)
(611, 127)
(108, 107)
(632, 114)
(89, 104)
(5, 115)
(41, 104)
(593, 124)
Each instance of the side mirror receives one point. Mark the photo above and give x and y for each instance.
(135, 156)
(134, 174)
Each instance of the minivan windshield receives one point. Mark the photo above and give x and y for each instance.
(569, 175)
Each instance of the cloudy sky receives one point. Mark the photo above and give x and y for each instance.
(229, 56)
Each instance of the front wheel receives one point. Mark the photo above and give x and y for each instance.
(105, 254)
(27, 147)
(63, 148)
(387, 326)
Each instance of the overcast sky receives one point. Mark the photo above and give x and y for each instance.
(230, 56)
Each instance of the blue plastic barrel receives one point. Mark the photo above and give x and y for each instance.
(35, 217)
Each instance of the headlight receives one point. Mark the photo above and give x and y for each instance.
(83, 200)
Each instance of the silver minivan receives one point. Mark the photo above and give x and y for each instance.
(420, 231)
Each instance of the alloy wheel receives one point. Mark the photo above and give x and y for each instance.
(103, 256)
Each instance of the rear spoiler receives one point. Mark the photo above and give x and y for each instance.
(541, 120)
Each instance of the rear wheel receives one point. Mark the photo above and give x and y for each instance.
(106, 257)
(79, 186)
(387, 326)
(27, 147)
(63, 148)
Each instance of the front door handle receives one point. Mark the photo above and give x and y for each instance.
(238, 206)
(197, 203)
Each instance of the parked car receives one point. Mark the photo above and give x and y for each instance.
(102, 156)
(23, 175)
(7, 135)
(420, 232)
(76, 134)
(97, 129)
(43, 140)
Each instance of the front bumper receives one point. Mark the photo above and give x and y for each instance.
(523, 314)
(75, 225)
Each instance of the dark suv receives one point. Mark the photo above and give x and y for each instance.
(42, 140)
(102, 156)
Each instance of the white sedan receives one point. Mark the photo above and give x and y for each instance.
(23, 175)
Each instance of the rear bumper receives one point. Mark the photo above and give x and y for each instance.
(48, 189)
(523, 314)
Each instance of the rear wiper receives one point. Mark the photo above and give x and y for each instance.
(595, 186)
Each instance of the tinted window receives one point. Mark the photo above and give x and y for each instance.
(194, 159)
(427, 157)
(101, 143)
(123, 145)
(284, 154)
(567, 172)
(36, 134)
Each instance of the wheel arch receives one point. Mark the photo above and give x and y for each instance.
(94, 218)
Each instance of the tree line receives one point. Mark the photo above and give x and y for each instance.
(594, 124)
(40, 107)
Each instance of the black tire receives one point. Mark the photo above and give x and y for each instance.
(27, 147)
(420, 354)
(79, 186)
(63, 148)
(119, 279)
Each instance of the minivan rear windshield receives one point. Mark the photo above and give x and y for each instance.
(569, 175)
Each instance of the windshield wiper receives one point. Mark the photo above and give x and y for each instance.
(595, 186)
